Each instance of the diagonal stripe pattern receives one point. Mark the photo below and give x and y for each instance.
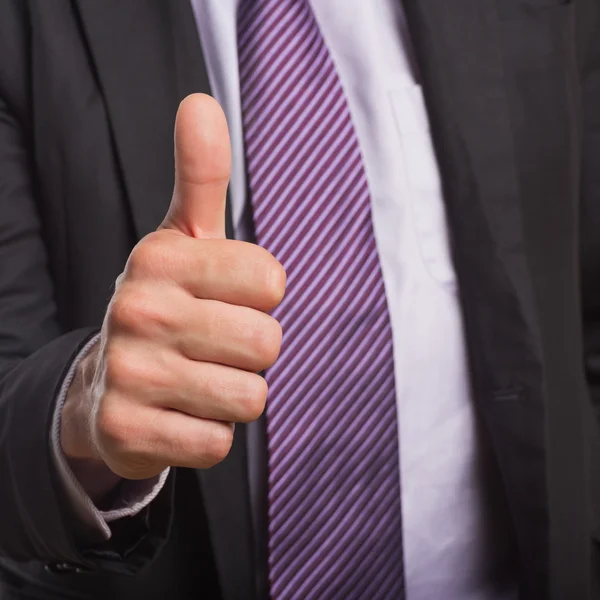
(335, 528)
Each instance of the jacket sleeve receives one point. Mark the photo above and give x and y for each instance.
(37, 521)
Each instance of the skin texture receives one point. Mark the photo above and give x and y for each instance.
(186, 332)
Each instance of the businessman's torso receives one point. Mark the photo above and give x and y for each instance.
(97, 86)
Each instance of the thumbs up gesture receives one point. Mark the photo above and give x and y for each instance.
(187, 330)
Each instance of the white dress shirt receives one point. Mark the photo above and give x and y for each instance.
(455, 535)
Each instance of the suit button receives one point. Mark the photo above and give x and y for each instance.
(81, 570)
(54, 568)
(64, 568)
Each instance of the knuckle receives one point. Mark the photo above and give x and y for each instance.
(141, 256)
(149, 254)
(266, 339)
(272, 279)
(218, 443)
(135, 373)
(124, 440)
(243, 396)
(115, 427)
(136, 310)
(123, 311)
(116, 371)
(278, 280)
(254, 397)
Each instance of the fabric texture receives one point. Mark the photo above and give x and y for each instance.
(334, 488)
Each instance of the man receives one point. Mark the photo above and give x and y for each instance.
(427, 432)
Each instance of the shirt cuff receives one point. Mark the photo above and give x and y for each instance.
(133, 496)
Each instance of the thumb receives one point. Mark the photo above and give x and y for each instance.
(202, 169)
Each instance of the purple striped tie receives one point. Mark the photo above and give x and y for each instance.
(335, 529)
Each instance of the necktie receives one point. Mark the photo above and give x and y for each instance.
(335, 528)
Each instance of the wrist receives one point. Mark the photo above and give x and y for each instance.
(75, 425)
(76, 439)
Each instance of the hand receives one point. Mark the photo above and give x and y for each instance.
(187, 329)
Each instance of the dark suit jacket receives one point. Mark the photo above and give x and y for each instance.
(88, 95)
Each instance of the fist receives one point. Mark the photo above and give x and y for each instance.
(187, 330)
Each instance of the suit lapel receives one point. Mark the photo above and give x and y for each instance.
(132, 49)
(148, 57)
(459, 54)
